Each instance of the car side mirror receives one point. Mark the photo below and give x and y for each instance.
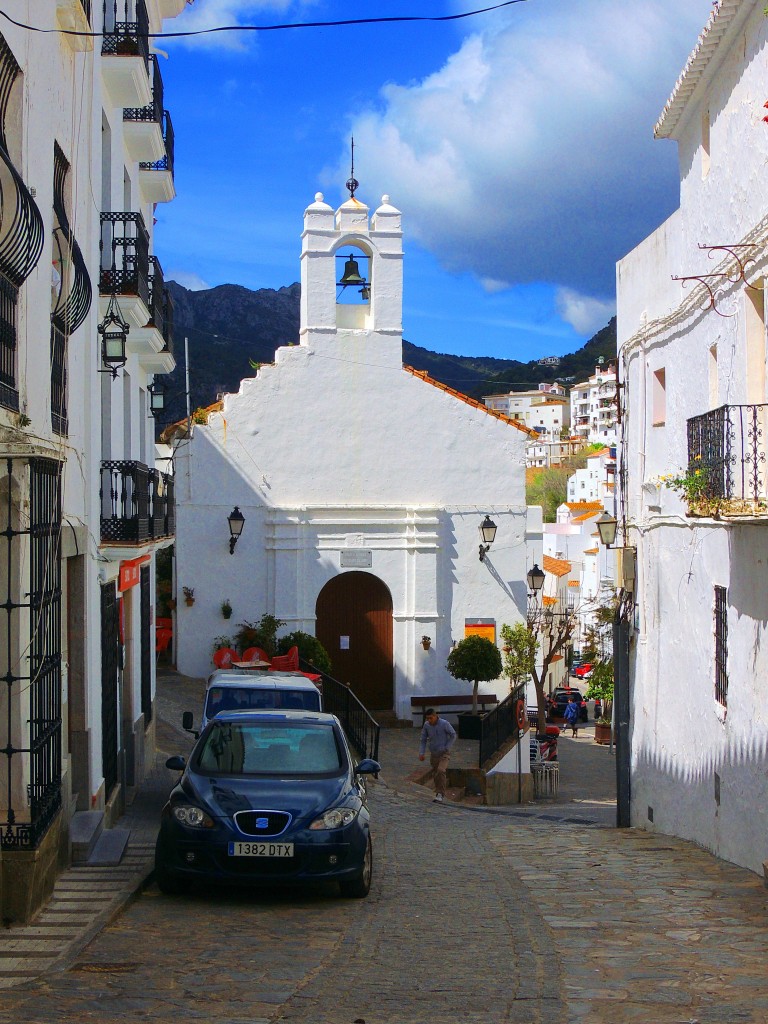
(177, 763)
(368, 767)
(187, 721)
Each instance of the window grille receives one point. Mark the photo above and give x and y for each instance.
(721, 646)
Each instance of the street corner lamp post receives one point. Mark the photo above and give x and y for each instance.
(487, 536)
(236, 521)
(606, 526)
(113, 330)
(535, 577)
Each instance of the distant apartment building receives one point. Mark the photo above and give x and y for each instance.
(544, 409)
(596, 482)
(541, 454)
(593, 407)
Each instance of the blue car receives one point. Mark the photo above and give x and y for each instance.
(268, 798)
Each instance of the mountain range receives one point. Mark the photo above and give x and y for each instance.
(230, 329)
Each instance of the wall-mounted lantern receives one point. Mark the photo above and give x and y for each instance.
(487, 536)
(236, 521)
(535, 577)
(113, 330)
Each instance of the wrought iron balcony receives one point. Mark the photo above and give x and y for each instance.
(727, 463)
(126, 29)
(154, 110)
(137, 503)
(169, 140)
(124, 248)
(160, 304)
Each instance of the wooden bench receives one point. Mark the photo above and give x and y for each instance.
(451, 702)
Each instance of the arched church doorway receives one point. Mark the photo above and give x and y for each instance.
(354, 624)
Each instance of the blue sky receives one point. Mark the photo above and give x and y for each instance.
(517, 144)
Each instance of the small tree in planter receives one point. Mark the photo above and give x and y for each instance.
(310, 649)
(477, 660)
(601, 688)
(520, 649)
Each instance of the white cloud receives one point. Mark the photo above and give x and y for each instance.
(530, 153)
(207, 14)
(586, 315)
(188, 279)
(493, 286)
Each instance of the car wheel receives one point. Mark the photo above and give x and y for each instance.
(167, 881)
(358, 888)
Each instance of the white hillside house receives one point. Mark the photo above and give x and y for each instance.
(692, 339)
(593, 407)
(362, 483)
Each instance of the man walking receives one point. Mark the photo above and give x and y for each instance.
(440, 736)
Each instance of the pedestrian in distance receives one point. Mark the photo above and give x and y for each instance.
(571, 715)
(439, 736)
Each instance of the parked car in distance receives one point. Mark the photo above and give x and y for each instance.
(561, 696)
(583, 671)
(234, 690)
(268, 798)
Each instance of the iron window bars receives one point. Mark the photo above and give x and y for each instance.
(728, 446)
(30, 727)
(721, 646)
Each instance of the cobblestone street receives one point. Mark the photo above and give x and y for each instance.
(531, 915)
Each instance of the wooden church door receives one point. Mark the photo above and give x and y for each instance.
(354, 624)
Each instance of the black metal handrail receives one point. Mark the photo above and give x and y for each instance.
(727, 450)
(160, 304)
(361, 728)
(500, 726)
(124, 246)
(154, 110)
(165, 163)
(137, 503)
(126, 29)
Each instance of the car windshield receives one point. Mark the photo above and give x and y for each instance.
(267, 748)
(249, 698)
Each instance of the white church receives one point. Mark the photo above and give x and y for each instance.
(362, 484)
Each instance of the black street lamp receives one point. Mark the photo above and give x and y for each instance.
(535, 577)
(236, 521)
(156, 397)
(113, 330)
(487, 536)
(606, 526)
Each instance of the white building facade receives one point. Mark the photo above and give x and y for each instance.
(593, 407)
(545, 410)
(86, 149)
(596, 482)
(363, 486)
(692, 344)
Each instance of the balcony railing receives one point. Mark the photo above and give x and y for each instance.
(124, 248)
(169, 139)
(137, 503)
(728, 447)
(160, 304)
(154, 111)
(126, 29)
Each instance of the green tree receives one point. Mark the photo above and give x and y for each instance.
(477, 660)
(520, 649)
(261, 634)
(601, 687)
(549, 487)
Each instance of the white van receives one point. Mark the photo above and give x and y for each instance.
(233, 690)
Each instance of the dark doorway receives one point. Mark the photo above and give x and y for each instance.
(354, 624)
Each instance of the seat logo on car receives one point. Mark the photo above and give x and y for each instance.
(262, 823)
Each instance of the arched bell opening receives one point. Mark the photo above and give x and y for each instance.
(353, 286)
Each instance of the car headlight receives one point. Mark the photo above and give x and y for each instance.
(193, 816)
(337, 817)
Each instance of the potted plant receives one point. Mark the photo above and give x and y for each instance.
(601, 688)
(310, 649)
(261, 634)
(189, 595)
(477, 660)
(226, 609)
(221, 641)
(426, 642)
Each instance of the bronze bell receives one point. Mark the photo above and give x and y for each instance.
(351, 273)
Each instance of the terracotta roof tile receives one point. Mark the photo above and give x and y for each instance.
(548, 601)
(574, 583)
(584, 517)
(557, 566)
(585, 506)
(591, 551)
(423, 375)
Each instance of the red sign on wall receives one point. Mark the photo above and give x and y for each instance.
(130, 573)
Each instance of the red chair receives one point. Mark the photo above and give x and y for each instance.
(164, 623)
(163, 637)
(255, 654)
(224, 657)
(286, 662)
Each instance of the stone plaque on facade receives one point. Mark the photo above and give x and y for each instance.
(360, 559)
